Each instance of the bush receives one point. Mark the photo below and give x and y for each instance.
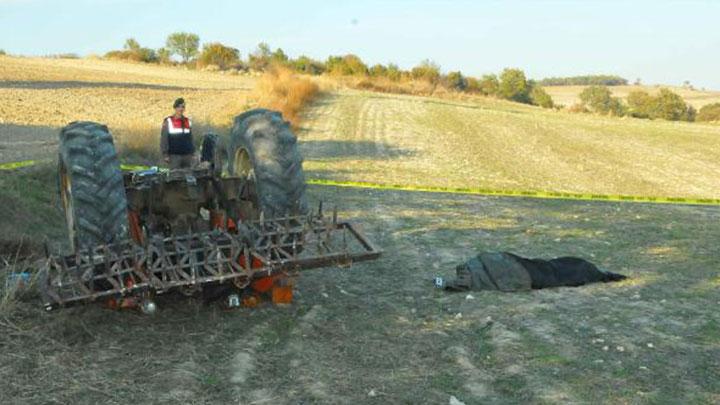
(456, 81)
(539, 97)
(393, 72)
(489, 85)
(640, 104)
(307, 65)
(259, 59)
(599, 99)
(2, 52)
(348, 65)
(427, 70)
(218, 54)
(377, 70)
(183, 44)
(514, 86)
(163, 55)
(666, 105)
(670, 106)
(132, 51)
(587, 80)
(709, 112)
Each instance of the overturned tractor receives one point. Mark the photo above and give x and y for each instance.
(237, 225)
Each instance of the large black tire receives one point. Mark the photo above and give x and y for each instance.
(91, 186)
(264, 149)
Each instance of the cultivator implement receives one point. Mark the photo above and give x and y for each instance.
(254, 251)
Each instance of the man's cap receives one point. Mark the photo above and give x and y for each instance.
(179, 102)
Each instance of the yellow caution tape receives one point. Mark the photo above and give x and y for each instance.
(555, 195)
(519, 193)
(16, 165)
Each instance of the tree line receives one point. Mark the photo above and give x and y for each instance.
(510, 84)
(586, 80)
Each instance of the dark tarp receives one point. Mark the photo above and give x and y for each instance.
(503, 271)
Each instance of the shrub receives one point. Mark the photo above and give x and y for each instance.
(539, 97)
(2, 52)
(377, 70)
(709, 112)
(183, 44)
(348, 65)
(666, 105)
(393, 72)
(599, 99)
(670, 106)
(489, 85)
(259, 59)
(307, 65)
(640, 104)
(218, 54)
(163, 55)
(132, 51)
(514, 86)
(456, 81)
(587, 80)
(427, 70)
(280, 89)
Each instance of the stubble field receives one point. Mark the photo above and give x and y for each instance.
(379, 332)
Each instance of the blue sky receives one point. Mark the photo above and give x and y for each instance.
(659, 41)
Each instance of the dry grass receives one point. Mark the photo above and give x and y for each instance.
(569, 95)
(284, 91)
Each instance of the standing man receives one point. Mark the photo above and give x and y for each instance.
(176, 142)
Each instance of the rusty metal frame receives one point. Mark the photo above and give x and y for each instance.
(260, 248)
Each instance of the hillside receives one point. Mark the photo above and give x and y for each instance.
(38, 96)
(569, 95)
(361, 136)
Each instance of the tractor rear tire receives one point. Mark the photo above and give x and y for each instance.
(264, 149)
(91, 186)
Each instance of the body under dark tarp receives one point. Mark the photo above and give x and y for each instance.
(503, 271)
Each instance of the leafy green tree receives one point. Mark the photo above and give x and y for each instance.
(456, 81)
(427, 70)
(599, 99)
(709, 112)
(183, 44)
(218, 54)
(514, 86)
(539, 97)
